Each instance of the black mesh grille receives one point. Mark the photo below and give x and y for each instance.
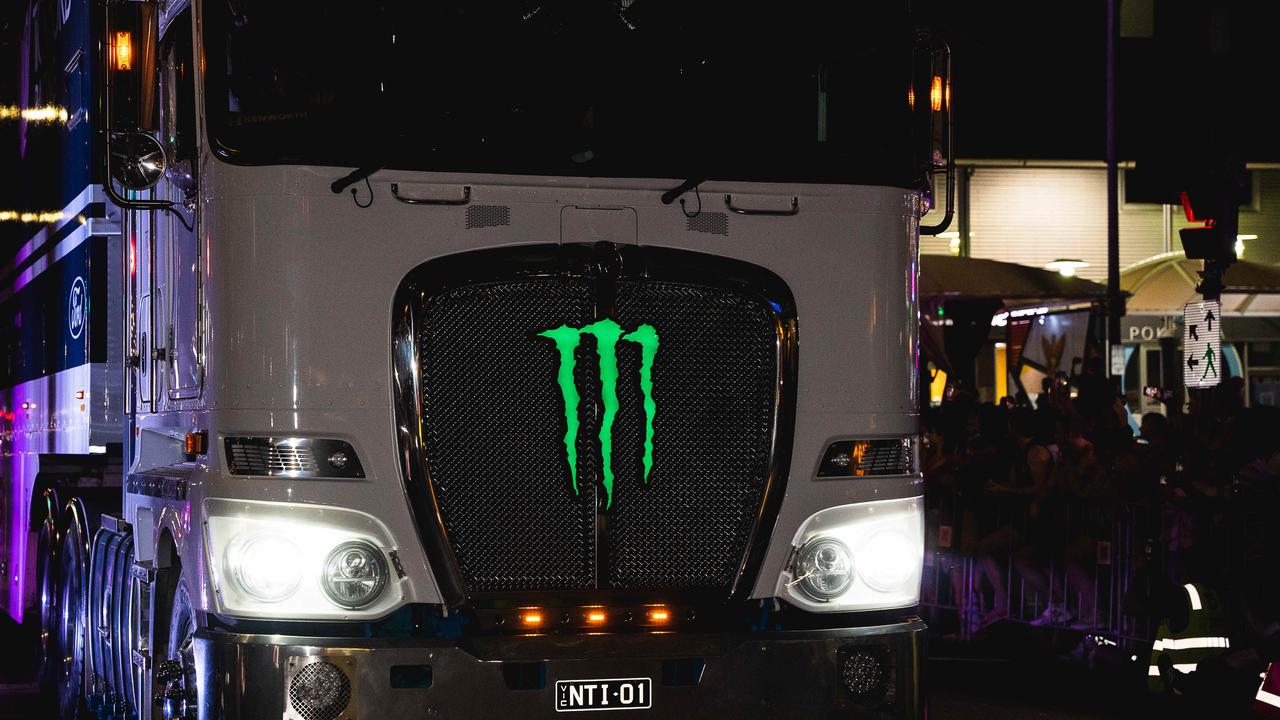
(495, 426)
(714, 381)
(495, 435)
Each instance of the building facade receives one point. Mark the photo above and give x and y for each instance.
(1036, 212)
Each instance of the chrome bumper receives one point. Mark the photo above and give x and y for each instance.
(766, 675)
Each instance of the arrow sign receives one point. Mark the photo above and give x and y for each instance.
(1202, 344)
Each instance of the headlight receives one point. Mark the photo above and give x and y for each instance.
(824, 569)
(867, 556)
(890, 561)
(265, 566)
(303, 562)
(354, 575)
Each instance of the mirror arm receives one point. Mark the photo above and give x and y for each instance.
(108, 185)
(951, 206)
(173, 210)
(121, 201)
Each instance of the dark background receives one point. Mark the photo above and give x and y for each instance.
(1029, 80)
(1029, 77)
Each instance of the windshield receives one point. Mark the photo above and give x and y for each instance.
(813, 92)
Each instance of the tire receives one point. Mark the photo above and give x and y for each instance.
(47, 582)
(72, 621)
(180, 691)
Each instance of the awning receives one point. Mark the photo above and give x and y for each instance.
(972, 290)
(1162, 284)
(944, 277)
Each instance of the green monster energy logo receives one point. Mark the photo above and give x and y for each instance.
(607, 334)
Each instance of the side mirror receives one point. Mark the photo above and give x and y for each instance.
(133, 158)
(131, 70)
(137, 161)
(930, 101)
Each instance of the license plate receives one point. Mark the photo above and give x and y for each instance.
(608, 694)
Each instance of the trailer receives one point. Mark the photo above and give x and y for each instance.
(461, 360)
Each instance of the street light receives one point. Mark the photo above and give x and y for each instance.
(1066, 267)
(1240, 244)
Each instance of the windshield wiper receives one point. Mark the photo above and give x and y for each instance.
(670, 196)
(354, 177)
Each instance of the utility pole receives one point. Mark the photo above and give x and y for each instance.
(1115, 301)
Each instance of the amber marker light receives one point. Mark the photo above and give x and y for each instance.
(596, 617)
(195, 443)
(659, 615)
(531, 618)
(935, 93)
(124, 50)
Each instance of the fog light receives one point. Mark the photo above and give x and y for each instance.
(354, 575)
(863, 675)
(266, 566)
(824, 569)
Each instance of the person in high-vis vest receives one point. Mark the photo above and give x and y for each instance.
(1193, 631)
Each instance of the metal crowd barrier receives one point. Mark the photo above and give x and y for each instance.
(1087, 575)
(1099, 571)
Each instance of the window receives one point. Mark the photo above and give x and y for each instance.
(177, 93)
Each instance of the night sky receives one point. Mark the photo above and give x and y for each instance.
(1029, 79)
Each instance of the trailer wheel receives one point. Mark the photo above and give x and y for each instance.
(47, 579)
(71, 622)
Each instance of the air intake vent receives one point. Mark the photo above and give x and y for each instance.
(319, 689)
(292, 457)
(483, 216)
(256, 458)
(715, 223)
(856, 458)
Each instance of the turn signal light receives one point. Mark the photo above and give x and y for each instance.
(195, 443)
(124, 51)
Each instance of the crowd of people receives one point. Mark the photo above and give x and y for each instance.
(1061, 515)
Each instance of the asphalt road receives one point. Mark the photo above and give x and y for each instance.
(19, 696)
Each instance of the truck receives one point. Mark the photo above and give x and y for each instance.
(469, 360)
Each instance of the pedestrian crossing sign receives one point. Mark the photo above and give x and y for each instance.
(1202, 344)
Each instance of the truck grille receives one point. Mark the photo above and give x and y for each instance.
(494, 425)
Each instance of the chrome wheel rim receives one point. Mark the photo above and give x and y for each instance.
(49, 616)
(71, 623)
